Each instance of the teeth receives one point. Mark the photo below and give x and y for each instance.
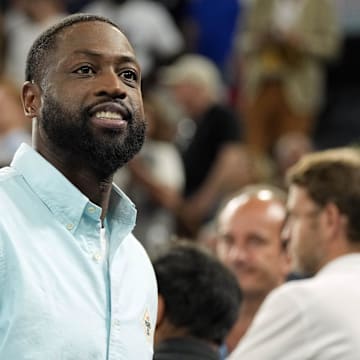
(107, 115)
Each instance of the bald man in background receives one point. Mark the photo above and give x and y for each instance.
(248, 242)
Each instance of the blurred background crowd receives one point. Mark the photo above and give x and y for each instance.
(235, 92)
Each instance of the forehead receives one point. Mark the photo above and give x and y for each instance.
(94, 36)
(253, 213)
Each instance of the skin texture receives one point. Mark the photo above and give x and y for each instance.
(249, 243)
(92, 70)
(317, 235)
(307, 228)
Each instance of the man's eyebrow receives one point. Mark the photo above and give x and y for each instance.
(120, 58)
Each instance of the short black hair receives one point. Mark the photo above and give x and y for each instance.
(46, 42)
(200, 294)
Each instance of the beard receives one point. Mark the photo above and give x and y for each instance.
(105, 151)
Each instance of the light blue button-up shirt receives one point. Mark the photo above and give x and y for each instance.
(62, 297)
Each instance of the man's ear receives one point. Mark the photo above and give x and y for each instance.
(31, 99)
(333, 219)
(336, 223)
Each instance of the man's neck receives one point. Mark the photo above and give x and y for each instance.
(252, 302)
(93, 185)
(248, 310)
(96, 189)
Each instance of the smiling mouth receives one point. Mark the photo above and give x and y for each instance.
(108, 115)
(109, 120)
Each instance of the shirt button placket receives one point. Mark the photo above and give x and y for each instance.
(115, 344)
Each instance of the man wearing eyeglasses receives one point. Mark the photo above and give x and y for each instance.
(316, 318)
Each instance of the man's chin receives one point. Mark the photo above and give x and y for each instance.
(251, 284)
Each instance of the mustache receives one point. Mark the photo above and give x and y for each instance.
(243, 266)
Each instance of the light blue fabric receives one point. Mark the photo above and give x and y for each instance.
(223, 352)
(61, 297)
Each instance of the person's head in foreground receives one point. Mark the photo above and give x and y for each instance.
(199, 298)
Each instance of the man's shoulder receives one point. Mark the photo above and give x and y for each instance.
(11, 195)
(7, 173)
(7, 176)
(294, 291)
(310, 292)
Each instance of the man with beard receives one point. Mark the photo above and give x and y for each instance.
(75, 283)
(316, 318)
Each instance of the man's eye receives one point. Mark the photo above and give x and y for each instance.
(85, 70)
(130, 75)
(256, 241)
(228, 240)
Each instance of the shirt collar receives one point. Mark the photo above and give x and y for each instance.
(64, 200)
(121, 217)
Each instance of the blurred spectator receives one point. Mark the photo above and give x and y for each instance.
(284, 46)
(154, 175)
(199, 300)
(176, 8)
(148, 25)
(248, 242)
(203, 36)
(339, 123)
(13, 126)
(212, 155)
(2, 41)
(73, 6)
(316, 318)
(287, 151)
(24, 21)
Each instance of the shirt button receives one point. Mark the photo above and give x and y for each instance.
(70, 226)
(116, 322)
(91, 209)
(97, 257)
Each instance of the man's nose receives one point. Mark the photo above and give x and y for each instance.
(111, 84)
(237, 254)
